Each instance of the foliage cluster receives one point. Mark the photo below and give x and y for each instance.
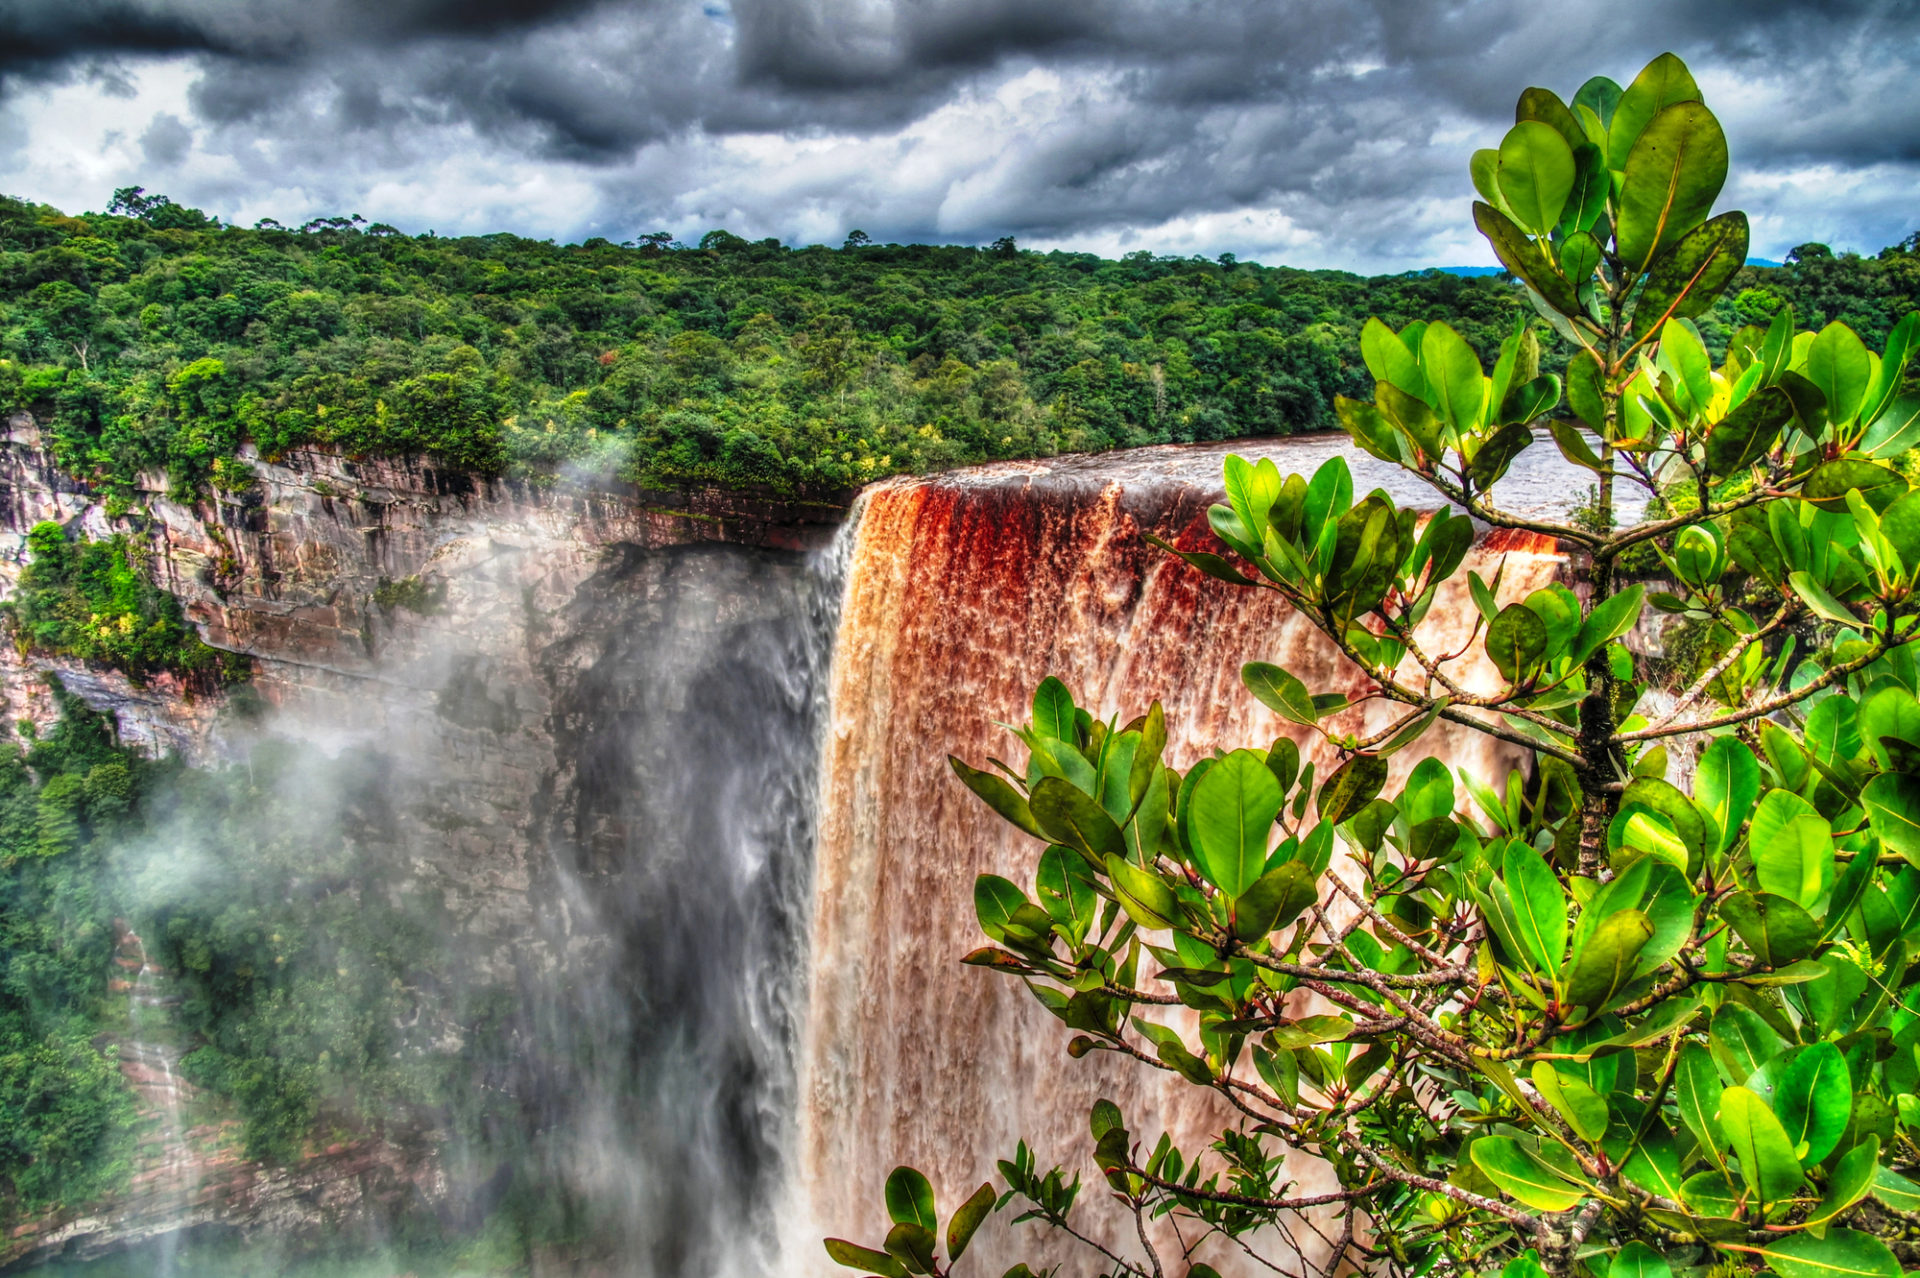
(309, 978)
(95, 601)
(153, 339)
(308, 970)
(66, 1116)
(1602, 1015)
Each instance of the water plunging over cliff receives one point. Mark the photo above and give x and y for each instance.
(963, 591)
(698, 928)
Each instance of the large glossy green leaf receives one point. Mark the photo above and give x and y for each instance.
(1827, 486)
(1143, 894)
(1841, 1253)
(1539, 905)
(865, 1259)
(1573, 445)
(1696, 1090)
(1069, 815)
(1672, 175)
(1234, 807)
(1516, 641)
(912, 1245)
(1585, 386)
(1484, 168)
(999, 795)
(1053, 715)
(1275, 899)
(1592, 184)
(1522, 1175)
(1637, 1260)
(1577, 1102)
(1726, 782)
(1813, 1099)
(1900, 346)
(1684, 355)
(1774, 928)
(994, 900)
(1837, 363)
(1892, 801)
(1686, 279)
(1670, 802)
(1353, 785)
(1496, 453)
(1526, 259)
(1895, 428)
(1389, 360)
(1742, 1042)
(1599, 95)
(1850, 1181)
(1749, 432)
(1900, 525)
(1661, 83)
(1545, 106)
(1606, 961)
(1895, 1190)
(910, 1199)
(1796, 861)
(1279, 691)
(1453, 371)
(967, 1220)
(1776, 808)
(1252, 488)
(1065, 887)
(1610, 619)
(1760, 1144)
(1654, 1163)
(1535, 174)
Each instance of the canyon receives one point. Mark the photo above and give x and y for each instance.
(671, 768)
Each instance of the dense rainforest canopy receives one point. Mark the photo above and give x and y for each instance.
(154, 338)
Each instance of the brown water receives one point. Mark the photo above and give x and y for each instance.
(962, 592)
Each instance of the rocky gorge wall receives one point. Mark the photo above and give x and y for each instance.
(534, 669)
(668, 772)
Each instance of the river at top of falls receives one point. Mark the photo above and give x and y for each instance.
(704, 876)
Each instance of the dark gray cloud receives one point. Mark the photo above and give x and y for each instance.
(1333, 130)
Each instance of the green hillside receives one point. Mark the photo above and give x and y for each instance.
(155, 338)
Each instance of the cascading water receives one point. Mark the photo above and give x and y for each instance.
(963, 592)
(697, 874)
(153, 1052)
(681, 825)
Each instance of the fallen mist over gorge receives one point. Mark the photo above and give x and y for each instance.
(577, 885)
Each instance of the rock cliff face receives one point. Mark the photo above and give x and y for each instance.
(537, 669)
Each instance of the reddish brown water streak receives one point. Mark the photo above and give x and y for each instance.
(962, 593)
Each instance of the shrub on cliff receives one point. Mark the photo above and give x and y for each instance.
(1602, 1015)
(67, 1117)
(92, 600)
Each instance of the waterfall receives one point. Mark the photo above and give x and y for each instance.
(153, 1052)
(963, 591)
(698, 879)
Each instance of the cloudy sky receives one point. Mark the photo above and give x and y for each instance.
(1309, 132)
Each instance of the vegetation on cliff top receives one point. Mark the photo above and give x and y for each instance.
(94, 600)
(153, 339)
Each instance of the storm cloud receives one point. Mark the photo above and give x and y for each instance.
(1304, 131)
